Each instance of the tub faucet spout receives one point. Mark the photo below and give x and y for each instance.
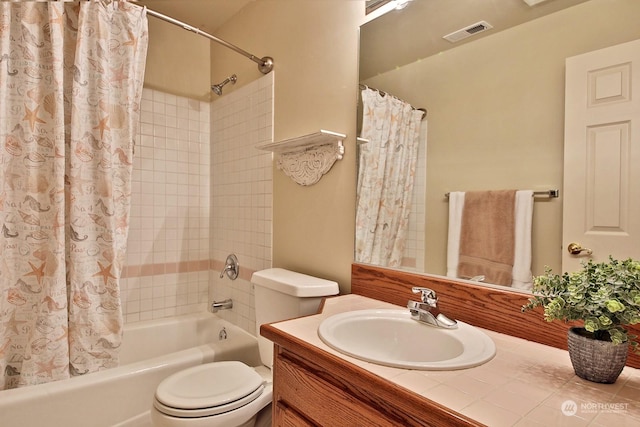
(221, 305)
(426, 311)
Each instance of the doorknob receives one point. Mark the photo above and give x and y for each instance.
(577, 249)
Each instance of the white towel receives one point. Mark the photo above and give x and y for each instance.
(522, 278)
(456, 205)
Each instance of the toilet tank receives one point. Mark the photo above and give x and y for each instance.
(282, 294)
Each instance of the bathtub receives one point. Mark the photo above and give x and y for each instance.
(122, 396)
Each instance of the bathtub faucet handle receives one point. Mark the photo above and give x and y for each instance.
(226, 268)
(231, 268)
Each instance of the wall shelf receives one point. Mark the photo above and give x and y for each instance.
(307, 158)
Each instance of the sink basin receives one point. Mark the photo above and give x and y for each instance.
(392, 338)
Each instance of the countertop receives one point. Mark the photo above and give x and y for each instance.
(525, 384)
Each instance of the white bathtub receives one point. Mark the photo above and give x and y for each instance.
(151, 350)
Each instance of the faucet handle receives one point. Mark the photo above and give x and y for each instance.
(231, 268)
(427, 295)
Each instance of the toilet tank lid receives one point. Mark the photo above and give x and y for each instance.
(294, 284)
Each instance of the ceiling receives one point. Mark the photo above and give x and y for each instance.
(401, 37)
(206, 15)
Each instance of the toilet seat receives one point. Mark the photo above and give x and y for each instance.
(208, 389)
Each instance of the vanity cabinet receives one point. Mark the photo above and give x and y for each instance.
(315, 388)
(315, 385)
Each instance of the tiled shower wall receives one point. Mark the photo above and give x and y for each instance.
(192, 205)
(241, 194)
(167, 265)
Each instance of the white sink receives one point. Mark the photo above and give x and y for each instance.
(393, 338)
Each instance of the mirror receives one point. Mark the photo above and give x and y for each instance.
(495, 100)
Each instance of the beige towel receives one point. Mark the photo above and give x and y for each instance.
(487, 236)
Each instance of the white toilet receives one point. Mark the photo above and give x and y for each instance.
(232, 394)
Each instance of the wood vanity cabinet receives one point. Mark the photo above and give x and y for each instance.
(315, 388)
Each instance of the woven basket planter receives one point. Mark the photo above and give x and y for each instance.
(595, 360)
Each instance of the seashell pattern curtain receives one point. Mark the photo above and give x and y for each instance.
(71, 78)
(386, 173)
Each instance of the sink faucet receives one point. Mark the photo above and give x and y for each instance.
(427, 310)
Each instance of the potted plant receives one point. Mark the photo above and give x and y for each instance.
(605, 297)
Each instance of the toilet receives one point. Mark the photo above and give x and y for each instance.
(230, 393)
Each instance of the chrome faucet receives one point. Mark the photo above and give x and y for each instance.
(221, 305)
(427, 310)
(231, 268)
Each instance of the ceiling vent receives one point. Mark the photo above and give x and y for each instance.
(469, 31)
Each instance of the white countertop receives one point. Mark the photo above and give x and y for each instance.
(525, 384)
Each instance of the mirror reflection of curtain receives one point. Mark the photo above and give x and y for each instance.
(70, 86)
(385, 177)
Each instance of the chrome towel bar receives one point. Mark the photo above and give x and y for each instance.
(551, 194)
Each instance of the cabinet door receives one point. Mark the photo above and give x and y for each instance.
(287, 417)
(298, 388)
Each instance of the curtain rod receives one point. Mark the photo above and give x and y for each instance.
(362, 87)
(265, 64)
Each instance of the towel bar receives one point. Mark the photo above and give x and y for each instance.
(543, 193)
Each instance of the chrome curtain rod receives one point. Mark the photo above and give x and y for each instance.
(551, 194)
(265, 64)
(363, 87)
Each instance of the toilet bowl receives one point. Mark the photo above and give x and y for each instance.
(230, 393)
(218, 394)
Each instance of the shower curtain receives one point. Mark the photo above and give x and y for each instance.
(70, 86)
(385, 178)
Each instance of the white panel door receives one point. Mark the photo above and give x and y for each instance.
(601, 209)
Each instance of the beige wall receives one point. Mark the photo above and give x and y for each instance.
(496, 114)
(314, 44)
(178, 62)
